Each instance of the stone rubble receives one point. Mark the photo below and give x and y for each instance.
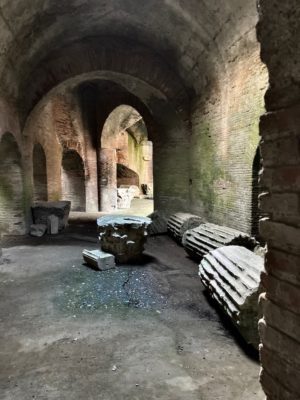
(38, 230)
(232, 277)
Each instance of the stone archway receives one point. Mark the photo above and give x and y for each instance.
(125, 158)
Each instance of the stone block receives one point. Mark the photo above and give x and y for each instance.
(125, 197)
(207, 237)
(42, 210)
(179, 223)
(53, 225)
(133, 188)
(99, 259)
(231, 275)
(123, 236)
(38, 230)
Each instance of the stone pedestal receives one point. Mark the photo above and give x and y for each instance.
(42, 211)
(123, 236)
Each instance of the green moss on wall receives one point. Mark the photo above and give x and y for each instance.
(209, 170)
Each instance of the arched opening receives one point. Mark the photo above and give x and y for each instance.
(128, 160)
(11, 187)
(39, 174)
(73, 180)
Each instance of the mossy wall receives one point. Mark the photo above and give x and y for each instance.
(225, 137)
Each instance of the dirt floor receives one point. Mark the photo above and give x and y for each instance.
(138, 332)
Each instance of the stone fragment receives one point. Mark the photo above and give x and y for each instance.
(125, 196)
(42, 210)
(99, 259)
(207, 237)
(231, 276)
(1, 256)
(158, 225)
(179, 223)
(147, 190)
(52, 225)
(133, 188)
(38, 230)
(123, 236)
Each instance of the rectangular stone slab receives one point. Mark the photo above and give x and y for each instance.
(99, 259)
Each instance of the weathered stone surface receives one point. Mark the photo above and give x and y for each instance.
(231, 275)
(207, 237)
(41, 211)
(147, 190)
(135, 189)
(1, 258)
(99, 259)
(123, 236)
(125, 196)
(38, 230)
(158, 224)
(53, 225)
(179, 223)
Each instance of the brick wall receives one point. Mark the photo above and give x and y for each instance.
(11, 187)
(40, 191)
(73, 180)
(225, 137)
(279, 34)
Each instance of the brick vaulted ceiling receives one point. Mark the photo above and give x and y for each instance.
(188, 37)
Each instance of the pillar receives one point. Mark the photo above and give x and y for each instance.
(108, 180)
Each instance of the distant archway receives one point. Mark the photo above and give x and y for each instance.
(39, 174)
(11, 187)
(125, 146)
(73, 180)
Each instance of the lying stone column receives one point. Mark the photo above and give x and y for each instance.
(207, 237)
(231, 276)
(179, 223)
(108, 180)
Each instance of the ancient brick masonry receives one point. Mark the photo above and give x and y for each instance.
(280, 327)
(279, 34)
